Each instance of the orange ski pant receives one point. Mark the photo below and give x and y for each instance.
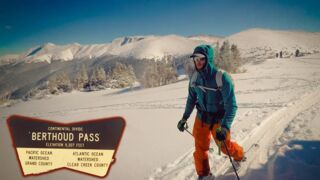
(202, 135)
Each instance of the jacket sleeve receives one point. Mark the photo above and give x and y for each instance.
(229, 101)
(191, 102)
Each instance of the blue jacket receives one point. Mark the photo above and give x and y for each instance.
(211, 101)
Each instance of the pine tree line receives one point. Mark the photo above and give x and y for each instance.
(159, 73)
(120, 76)
(117, 74)
(227, 57)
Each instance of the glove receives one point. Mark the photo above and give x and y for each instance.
(222, 134)
(181, 124)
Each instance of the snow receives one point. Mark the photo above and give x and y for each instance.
(257, 42)
(270, 97)
(139, 47)
(51, 52)
(296, 150)
(206, 38)
(266, 43)
(278, 102)
(92, 51)
(275, 38)
(157, 47)
(8, 58)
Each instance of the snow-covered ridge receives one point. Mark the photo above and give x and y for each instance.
(207, 38)
(256, 43)
(136, 46)
(9, 58)
(157, 47)
(266, 43)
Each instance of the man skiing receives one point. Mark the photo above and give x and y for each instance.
(216, 109)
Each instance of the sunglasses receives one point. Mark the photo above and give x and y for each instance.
(198, 59)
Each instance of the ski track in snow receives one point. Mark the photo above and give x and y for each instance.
(159, 104)
(270, 134)
(269, 130)
(165, 103)
(297, 148)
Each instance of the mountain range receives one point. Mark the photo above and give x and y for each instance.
(20, 73)
(253, 43)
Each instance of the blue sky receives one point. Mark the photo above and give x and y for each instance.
(27, 23)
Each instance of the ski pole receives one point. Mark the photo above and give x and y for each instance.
(189, 132)
(235, 171)
(219, 143)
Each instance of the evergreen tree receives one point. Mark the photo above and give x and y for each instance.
(217, 56)
(98, 78)
(81, 80)
(228, 57)
(225, 56)
(236, 59)
(60, 83)
(101, 76)
(159, 73)
(122, 76)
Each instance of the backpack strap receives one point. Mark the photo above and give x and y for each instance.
(203, 88)
(219, 78)
(193, 79)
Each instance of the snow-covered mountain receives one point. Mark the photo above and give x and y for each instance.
(207, 38)
(157, 47)
(253, 43)
(140, 47)
(50, 51)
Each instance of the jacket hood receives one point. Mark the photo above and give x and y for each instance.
(208, 52)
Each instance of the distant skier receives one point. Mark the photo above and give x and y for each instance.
(297, 53)
(280, 54)
(216, 110)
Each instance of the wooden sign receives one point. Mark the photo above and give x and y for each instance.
(43, 146)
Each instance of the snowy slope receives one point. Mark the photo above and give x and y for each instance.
(296, 152)
(157, 47)
(275, 97)
(9, 58)
(270, 97)
(207, 38)
(265, 43)
(51, 52)
(275, 38)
